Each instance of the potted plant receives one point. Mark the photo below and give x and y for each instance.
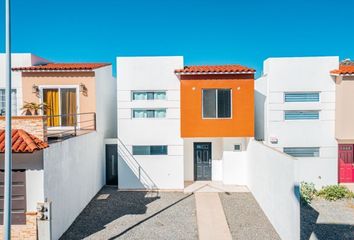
(31, 108)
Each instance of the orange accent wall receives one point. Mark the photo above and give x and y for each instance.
(241, 123)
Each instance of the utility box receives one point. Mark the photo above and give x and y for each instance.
(44, 221)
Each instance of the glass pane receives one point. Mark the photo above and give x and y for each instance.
(302, 151)
(160, 113)
(141, 150)
(68, 107)
(160, 95)
(302, 97)
(209, 103)
(150, 96)
(139, 113)
(51, 99)
(150, 113)
(224, 103)
(158, 150)
(301, 115)
(139, 95)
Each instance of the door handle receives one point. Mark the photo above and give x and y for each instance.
(113, 165)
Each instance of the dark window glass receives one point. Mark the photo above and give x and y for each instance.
(209, 103)
(224, 103)
(149, 150)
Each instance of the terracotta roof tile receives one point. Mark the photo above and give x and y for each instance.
(343, 70)
(62, 67)
(22, 142)
(215, 69)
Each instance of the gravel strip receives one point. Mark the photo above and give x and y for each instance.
(245, 218)
(327, 220)
(136, 215)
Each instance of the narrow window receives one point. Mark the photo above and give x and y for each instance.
(302, 97)
(13, 102)
(237, 147)
(150, 150)
(301, 115)
(149, 95)
(216, 103)
(302, 151)
(149, 113)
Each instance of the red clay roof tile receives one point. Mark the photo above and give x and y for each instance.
(22, 142)
(62, 67)
(215, 69)
(343, 70)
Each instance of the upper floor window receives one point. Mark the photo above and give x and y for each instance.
(150, 150)
(302, 97)
(302, 115)
(216, 103)
(149, 113)
(13, 102)
(302, 151)
(149, 95)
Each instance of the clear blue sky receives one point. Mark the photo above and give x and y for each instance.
(203, 31)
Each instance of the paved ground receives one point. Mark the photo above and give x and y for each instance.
(134, 215)
(245, 218)
(325, 220)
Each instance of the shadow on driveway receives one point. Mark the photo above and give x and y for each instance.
(135, 215)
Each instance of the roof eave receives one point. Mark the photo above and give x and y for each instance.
(213, 73)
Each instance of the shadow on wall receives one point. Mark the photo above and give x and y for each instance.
(130, 173)
(310, 229)
(100, 212)
(259, 101)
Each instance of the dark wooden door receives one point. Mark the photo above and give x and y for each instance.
(202, 161)
(18, 196)
(345, 163)
(111, 164)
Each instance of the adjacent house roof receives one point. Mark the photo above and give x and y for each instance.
(22, 142)
(344, 70)
(216, 69)
(62, 67)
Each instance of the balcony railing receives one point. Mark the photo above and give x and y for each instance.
(65, 126)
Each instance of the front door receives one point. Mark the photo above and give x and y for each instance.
(111, 164)
(345, 163)
(202, 161)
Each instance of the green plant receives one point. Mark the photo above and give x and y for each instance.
(335, 192)
(307, 192)
(31, 108)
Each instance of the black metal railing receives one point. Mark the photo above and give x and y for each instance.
(69, 125)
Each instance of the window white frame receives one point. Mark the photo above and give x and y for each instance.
(302, 92)
(147, 91)
(216, 102)
(147, 109)
(17, 106)
(59, 87)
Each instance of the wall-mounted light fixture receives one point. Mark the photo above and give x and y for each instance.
(35, 89)
(83, 89)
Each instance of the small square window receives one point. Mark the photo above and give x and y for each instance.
(237, 147)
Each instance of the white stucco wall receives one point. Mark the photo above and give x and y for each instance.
(73, 174)
(106, 102)
(150, 73)
(271, 177)
(303, 74)
(18, 60)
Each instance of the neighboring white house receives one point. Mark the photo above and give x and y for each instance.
(17, 60)
(295, 113)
